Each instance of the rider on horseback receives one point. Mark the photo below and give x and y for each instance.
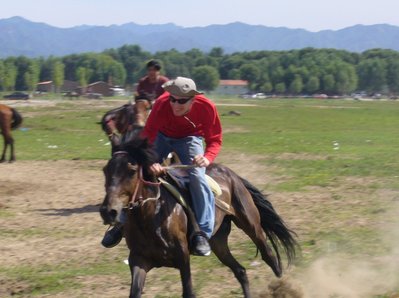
(180, 119)
(150, 86)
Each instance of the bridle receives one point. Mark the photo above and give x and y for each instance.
(136, 197)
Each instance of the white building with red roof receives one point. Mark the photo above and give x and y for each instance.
(232, 87)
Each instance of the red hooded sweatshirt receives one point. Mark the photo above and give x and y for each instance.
(202, 120)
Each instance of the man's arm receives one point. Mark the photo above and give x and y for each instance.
(213, 135)
(151, 127)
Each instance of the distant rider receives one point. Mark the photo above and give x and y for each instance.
(150, 86)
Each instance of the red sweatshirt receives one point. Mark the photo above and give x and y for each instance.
(202, 120)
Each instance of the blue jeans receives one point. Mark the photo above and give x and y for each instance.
(202, 197)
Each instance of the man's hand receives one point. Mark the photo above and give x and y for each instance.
(201, 161)
(157, 169)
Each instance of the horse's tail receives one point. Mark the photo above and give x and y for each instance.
(273, 225)
(16, 119)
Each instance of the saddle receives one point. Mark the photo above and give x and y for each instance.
(177, 183)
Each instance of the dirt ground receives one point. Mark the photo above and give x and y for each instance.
(49, 216)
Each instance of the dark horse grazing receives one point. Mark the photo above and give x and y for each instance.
(9, 119)
(121, 122)
(157, 226)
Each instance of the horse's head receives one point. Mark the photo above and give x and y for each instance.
(122, 177)
(125, 120)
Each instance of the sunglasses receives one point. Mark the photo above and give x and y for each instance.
(181, 101)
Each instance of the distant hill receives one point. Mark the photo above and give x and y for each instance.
(19, 36)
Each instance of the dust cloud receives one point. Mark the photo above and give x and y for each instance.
(348, 276)
(344, 275)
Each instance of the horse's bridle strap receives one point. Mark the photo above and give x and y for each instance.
(140, 182)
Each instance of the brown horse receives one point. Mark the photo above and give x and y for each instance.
(9, 119)
(120, 123)
(157, 226)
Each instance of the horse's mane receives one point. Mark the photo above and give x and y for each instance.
(140, 150)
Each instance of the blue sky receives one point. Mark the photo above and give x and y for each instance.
(313, 15)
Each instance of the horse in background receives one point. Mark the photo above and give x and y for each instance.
(126, 121)
(9, 119)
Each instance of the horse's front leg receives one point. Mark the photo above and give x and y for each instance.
(12, 156)
(138, 269)
(185, 275)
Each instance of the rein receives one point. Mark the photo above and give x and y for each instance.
(135, 198)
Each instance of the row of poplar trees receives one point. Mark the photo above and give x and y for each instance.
(294, 72)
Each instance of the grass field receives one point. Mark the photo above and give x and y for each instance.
(331, 168)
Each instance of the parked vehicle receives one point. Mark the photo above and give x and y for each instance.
(245, 95)
(17, 95)
(320, 96)
(259, 95)
(94, 95)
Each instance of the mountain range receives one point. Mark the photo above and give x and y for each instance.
(19, 36)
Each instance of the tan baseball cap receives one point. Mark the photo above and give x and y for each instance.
(181, 87)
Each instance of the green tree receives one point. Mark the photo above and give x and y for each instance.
(10, 76)
(280, 88)
(206, 77)
(32, 75)
(393, 75)
(312, 85)
(345, 79)
(118, 73)
(216, 52)
(82, 75)
(234, 74)
(1, 74)
(228, 63)
(22, 64)
(296, 85)
(266, 87)
(176, 64)
(57, 75)
(328, 83)
(372, 75)
(276, 75)
(250, 73)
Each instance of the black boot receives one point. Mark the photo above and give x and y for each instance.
(113, 237)
(200, 245)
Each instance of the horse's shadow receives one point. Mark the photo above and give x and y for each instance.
(69, 211)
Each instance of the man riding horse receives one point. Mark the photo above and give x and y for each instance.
(180, 120)
(116, 123)
(150, 86)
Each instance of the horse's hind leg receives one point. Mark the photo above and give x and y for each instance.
(249, 222)
(220, 247)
